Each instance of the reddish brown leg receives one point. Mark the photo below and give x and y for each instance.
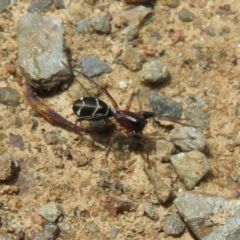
(50, 114)
(130, 100)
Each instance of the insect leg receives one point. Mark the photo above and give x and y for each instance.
(115, 105)
(48, 113)
(130, 100)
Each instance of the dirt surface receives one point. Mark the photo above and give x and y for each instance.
(202, 58)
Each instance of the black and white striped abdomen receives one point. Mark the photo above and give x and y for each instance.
(86, 107)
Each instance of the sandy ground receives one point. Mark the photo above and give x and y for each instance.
(201, 65)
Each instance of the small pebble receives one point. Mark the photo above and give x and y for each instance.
(6, 167)
(16, 141)
(131, 58)
(135, 16)
(188, 138)
(173, 225)
(154, 71)
(9, 96)
(92, 227)
(37, 219)
(59, 4)
(93, 66)
(113, 233)
(83, 26)
(185, 15)
(4, 5)
(50, 231)
(130, 32)
(39, 6)
(122, 84)
(117, 205)
(165, 106)
(101, 24)
(150, 211)
(162, 190)
(197, 117)
(191, 167)
(50, 211)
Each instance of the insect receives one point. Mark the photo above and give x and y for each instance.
(48, 113)
(132, 123)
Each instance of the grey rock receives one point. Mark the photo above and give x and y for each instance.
(165, 106)
(210, 217)
(93, 66)
(150, 211)
(113, 233)
(92, 227)
(161, 189)
(9, 96)
(50, 211)
(4, 5)
(173, 225)
(101, 24)
(185, 15)
(191, 167)
(154, 71)
(136, 15)
(40, 6)
(59, 4)
(83, 26)
(188, 138)
(50, 232)
(197, 117)
(41, 51)
(6, 167)
(130, 32)
(131, 58)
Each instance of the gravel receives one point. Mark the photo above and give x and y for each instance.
(154, 72)
(185, 15)
(9, 96)
(101, 24)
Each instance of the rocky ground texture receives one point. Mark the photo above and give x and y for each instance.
(181, 60)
